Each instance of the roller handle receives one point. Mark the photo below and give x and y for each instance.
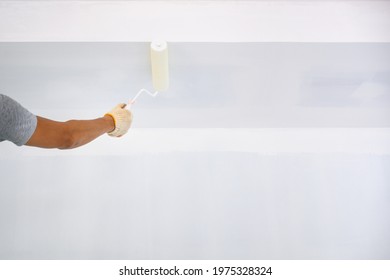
(132, 101)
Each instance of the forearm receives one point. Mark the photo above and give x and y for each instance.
(70, 134)
(84, 131)
(75, 133)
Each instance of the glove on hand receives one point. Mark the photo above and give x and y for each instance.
(122, 120)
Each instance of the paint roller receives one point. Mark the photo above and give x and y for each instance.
(160, 73)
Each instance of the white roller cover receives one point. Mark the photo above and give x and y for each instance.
(159, 58)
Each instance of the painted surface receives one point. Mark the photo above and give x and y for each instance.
(195, 21)
(273, 151)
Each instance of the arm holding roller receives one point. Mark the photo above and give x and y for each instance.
(70, 134)
(21, 127)
(75, 133)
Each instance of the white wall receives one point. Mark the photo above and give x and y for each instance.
(180, 186)
(195, 205)
(258, 151)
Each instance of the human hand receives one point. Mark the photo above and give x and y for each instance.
(122, 119)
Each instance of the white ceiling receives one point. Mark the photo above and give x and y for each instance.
(195, 21)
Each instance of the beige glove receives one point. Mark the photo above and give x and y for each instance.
(122, 119)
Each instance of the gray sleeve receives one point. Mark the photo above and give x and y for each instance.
(16, 123)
